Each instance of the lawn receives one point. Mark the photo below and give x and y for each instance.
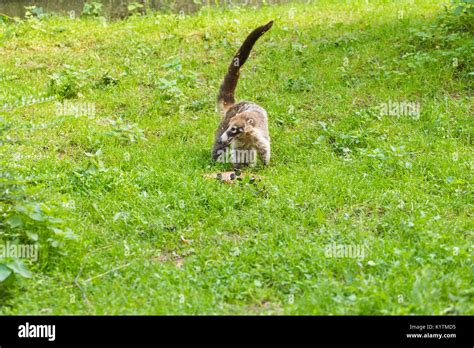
(106, 130)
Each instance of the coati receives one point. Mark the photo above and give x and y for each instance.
(244, 126)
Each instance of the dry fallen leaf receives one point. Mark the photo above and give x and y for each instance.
(229, 177)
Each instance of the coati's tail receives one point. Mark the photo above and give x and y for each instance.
(226, 93)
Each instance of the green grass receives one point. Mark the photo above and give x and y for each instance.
(154, 237)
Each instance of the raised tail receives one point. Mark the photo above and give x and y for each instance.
(226, 92)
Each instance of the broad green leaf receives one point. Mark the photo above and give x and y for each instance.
(458, 10)
(32, 236)
(37, 216)
(19, 268)
(5, 272)
(15, 221)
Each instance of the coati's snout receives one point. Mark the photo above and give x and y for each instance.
(230, 134)
(239, 125)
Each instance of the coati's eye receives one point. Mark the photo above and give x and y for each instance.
(233, 129)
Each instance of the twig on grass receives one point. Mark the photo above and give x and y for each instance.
(110, 271)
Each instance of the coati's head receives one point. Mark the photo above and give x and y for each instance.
(239, 125)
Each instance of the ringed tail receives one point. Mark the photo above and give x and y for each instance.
(226, 98)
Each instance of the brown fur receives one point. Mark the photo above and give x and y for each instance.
(244, 126)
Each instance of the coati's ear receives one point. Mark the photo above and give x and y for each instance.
(251, 122)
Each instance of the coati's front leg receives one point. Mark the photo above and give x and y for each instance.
(219, 150)
(242, 155)
(263, 148)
